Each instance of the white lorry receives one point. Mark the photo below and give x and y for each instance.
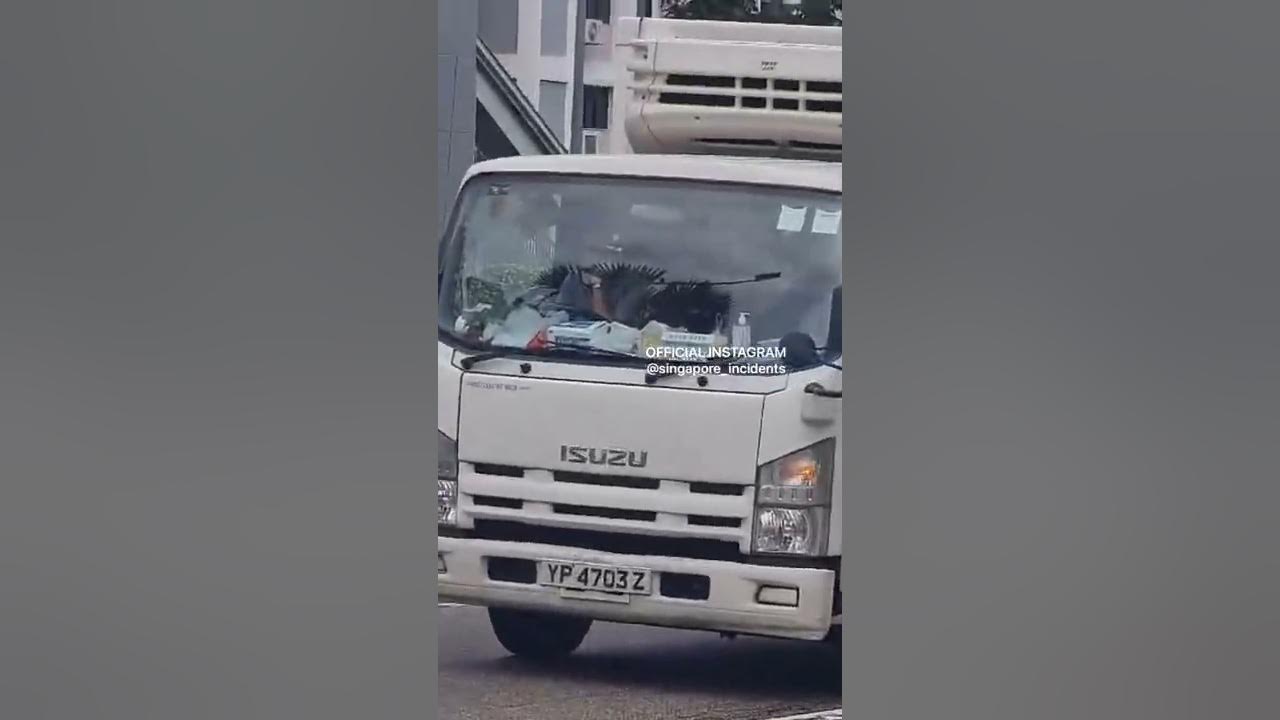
(639, 355)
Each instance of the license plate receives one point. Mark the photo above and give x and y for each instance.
(596, 578)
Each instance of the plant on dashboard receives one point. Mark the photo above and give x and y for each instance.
(696, 306)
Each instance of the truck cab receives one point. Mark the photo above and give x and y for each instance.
(640, 360)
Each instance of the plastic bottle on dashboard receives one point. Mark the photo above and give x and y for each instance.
(651, 337)
(742, 331)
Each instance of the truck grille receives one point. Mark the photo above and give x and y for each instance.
(610, 542)
(642, 483)
(603, 512)
(639, 483)
(641, 506)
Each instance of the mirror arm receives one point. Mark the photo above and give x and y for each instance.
(814, 388)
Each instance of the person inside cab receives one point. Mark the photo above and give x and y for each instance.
(604, 269)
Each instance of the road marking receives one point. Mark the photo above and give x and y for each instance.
(450, 605)
(837, 714)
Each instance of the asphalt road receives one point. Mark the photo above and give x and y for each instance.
(632, 673)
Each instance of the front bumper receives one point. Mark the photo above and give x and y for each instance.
(731, 605)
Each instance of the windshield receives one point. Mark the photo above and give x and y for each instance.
(624, 264)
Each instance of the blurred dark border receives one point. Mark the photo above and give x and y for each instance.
(216, 239)
(1062, 401)
(217, 235)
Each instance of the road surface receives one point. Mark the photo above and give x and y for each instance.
(633, 673)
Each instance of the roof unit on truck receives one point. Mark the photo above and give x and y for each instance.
(729, 88)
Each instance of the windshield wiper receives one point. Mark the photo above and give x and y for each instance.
(570, 349)
(548, 349)
(565, 349)
(717, 283)
(467, 363)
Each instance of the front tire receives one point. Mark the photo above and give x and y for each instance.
(538, 636)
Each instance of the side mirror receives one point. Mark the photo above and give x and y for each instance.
(818, 389)
(835, 328)
(799, 350)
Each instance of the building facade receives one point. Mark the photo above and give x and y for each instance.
(536, 41)
(482, 112)
(456, 31)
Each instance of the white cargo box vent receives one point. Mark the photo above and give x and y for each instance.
(755, 93)
(720, 88)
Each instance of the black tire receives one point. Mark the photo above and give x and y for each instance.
(535, 635)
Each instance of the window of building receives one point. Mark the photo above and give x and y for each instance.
(499, 24)
(595, 107)
(599, 10)
(552, 99)
(555, 28)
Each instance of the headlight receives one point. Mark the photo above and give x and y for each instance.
(793, 502)
(791, 531)
(447, 488)
(447, 502)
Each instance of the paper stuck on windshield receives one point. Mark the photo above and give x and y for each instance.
(792, 219)
(826, 223)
